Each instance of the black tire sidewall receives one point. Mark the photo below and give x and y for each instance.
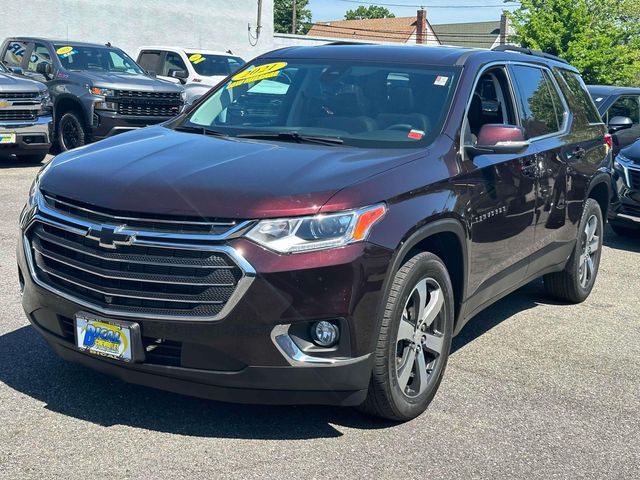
(70, 117)
(426, 266)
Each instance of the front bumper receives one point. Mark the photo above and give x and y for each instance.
(238, 358)
(31, 135)
(106, 123)
(625, 205)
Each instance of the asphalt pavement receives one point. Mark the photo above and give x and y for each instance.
(534, 389)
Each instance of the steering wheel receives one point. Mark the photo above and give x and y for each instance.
(400, 126)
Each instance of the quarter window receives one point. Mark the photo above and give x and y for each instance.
(581, 102)
(538, 97)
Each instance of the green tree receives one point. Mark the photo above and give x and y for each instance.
(372, 11)
(283, 16)
(599, 37)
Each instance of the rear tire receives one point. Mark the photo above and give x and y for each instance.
(414, 340)
(575, 282)
(625, 231)
(71, 132)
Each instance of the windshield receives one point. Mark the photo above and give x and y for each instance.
(361, 103)
(99, 59)
(209, 65)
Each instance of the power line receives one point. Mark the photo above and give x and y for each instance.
(325, 26)
(361, 2)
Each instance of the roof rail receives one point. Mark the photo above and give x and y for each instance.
(346, 42)
(528, 51)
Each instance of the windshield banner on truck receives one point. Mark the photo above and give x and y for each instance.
(262, 72)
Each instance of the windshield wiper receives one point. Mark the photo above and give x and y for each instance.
(200, 130)
(293, 137)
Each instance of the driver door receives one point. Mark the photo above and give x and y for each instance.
(502, 194)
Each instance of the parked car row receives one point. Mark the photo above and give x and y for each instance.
(94, 91)
(321, 224)
(620, 110)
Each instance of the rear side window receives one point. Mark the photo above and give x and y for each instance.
(149, 61)
(15, 53)
(578, 96)
(627, 106)
(541, 111)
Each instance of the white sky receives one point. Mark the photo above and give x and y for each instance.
(335, 9)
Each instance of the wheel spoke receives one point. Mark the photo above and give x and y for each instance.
(421, 369)
(433, 308)
(590, 230)
(594, 243)
(590, 268)
(433, 343)
(406, 367)
(421, 301)
(406, 330)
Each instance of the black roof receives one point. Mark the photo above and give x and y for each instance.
(59, 42)
(609, 90)
(410, 54)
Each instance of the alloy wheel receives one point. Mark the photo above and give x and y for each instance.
(420, 337)
(590, 248)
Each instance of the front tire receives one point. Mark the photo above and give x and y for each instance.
(71, 133)
(575, 282)
(414, 340)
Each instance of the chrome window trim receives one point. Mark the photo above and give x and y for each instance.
(158, 240)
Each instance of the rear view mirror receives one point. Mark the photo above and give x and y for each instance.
(619, 123)
(499, 139)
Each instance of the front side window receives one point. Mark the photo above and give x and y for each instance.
(627, 106)
(209, 65)
(360, 103)
(40, 54)
(99, 59)
(172, 63)
(538, 111)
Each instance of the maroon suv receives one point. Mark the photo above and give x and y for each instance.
(318, 226)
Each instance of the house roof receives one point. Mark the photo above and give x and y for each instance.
(398, 29)
(474, 34)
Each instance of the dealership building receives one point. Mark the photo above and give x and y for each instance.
(243, 26)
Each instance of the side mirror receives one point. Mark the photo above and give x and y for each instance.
(43, 69)
(181, 75)
(498, 139)
(16, 70)
(151, 73)
(619, 123)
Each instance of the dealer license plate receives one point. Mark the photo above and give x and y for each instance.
(7, 138)
(104, 337)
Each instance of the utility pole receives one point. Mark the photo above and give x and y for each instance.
(293, 18)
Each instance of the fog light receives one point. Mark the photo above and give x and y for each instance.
(325, 334)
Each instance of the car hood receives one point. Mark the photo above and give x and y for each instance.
(161, 171)
(632, 152)
(129, 82)
(13, 83)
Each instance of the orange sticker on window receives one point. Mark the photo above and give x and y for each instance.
(268, 70)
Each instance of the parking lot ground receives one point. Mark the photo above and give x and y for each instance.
(534, 389)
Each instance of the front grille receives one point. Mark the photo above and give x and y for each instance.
(148, 104)
(634, 179)
(152, 274)
(18, 114)
(147, 222)
(142, 110)
(19, 95)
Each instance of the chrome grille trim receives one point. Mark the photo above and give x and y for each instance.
(145, 239)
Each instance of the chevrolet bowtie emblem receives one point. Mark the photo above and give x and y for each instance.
(4, 104)
(110, 237)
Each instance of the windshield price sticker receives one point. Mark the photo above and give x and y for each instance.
(196, 58)
(268, 70)
(441, 81)
(64, 52)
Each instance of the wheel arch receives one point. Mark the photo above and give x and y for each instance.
(600, 190)
(66, 103)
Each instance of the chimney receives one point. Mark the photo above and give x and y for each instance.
(421, 26)
(504, 28)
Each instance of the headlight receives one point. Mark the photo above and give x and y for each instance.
(103, 92)
(46, 106)
(183, 95)
(620, 161)
(320, 232)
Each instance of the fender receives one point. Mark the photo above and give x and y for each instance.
(411, 239)
(603, 175)
(66, 97)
